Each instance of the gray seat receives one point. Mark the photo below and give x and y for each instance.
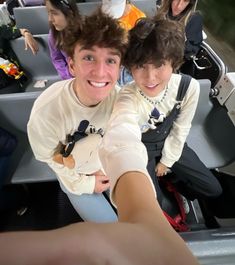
(35, 18)
(14, 114)
(37, 67)
(212, 132)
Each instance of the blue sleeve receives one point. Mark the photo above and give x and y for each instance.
(58, 59)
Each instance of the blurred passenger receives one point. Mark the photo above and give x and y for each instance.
(63, 15)
(127, 14)
(10, 32)
(184, 12)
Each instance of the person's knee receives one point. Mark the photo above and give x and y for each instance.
(214, 190)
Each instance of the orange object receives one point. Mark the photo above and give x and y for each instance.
(12, 70)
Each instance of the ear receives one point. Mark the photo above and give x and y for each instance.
(71, 66)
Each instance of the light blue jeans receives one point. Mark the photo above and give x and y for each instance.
(92, 207)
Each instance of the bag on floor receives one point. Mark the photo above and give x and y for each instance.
(175, 215)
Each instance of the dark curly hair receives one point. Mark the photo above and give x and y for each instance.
(154, 41)
(98, 29)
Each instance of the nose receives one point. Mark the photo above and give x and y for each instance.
(49, 17)
(180, 4)
(99, 69)
(151, 74)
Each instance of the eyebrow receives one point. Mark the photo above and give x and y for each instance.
(116, 53)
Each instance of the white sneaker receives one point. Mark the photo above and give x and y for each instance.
(185, 204)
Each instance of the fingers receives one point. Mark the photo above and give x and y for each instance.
(161, 174)
(33, 48)
(101, 184)
(102, 178)
(25, 45)
(32, 44)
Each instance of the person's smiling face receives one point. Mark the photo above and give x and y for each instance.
(151, 78)
(96, 71)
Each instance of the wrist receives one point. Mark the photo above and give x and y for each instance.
(25, 31)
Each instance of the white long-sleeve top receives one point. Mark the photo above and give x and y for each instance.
(122, 150)
(56, 113)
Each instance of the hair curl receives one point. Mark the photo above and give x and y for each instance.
(155, 41)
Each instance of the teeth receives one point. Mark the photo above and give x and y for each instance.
(150, 86)
(98, 84)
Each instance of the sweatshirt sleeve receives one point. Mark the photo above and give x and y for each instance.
(121, 150)
(176, 139)
(58, 59)
(44, 142)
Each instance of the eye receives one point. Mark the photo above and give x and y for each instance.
(111, 61)
(160, 64)
(140, 66)
(88, 58)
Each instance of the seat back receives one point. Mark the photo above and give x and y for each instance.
(212, 132)
(35, 18)
(15, 110)
(37, 67)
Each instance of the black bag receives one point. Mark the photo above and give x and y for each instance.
(8, 143)
(5, 80)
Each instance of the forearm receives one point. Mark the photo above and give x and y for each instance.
(28, 248)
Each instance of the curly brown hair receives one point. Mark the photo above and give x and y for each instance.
(98, 29)
(154, 41)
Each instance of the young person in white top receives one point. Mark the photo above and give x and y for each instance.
(150, 114)
(80, 108)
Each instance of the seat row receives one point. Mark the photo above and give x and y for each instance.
(35, 18)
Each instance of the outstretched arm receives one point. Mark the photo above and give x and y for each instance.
(30, 42)
(143, 235)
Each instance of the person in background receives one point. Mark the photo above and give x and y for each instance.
(127, 14)
(68, 120)
(63, 15)
(124, 11)
(155, 113)
(8, 32)
(184, 12)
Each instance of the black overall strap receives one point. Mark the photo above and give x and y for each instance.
(183, 86)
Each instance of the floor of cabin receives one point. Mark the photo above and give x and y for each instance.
(44, 206)
(38, 206)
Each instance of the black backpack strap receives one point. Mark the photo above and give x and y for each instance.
(183, 86)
